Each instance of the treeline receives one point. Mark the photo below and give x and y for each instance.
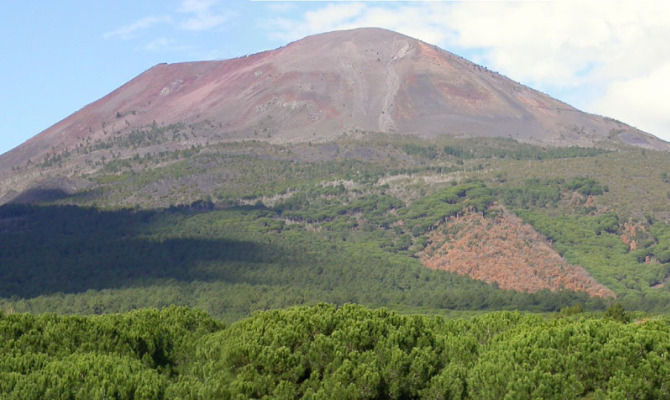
(543, 193)
(426, 212)
(484, 148)
(325, 352)
(228, 172)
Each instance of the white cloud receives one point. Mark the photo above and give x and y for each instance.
(641, 101)
(127, 31)
(203, 22)
(202, 15)
(607, 55)
(556, 41)
(617, 51)
(163, 44)
(196, 6)
(192, 15)
(281, 7)
(331, 17)
(410, 20)
(157, 44)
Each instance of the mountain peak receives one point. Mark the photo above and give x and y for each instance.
(366, 34)
(326, 85)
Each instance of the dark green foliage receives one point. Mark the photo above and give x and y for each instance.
(85, 376)
(586, 186)
(326, 204)
(583, 359)
(429, 211)
(534, 192)
(483, 148)
(127, 356)
(326, 351)
(429, 152)
(547, 193)
(662, 248)
(571, 310)
(617, 313)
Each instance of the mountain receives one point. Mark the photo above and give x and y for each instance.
(320, 88)
(347, 170)
(357, 166)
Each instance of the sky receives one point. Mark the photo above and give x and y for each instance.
(609, 57)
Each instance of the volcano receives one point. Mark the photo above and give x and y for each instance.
(324, 86)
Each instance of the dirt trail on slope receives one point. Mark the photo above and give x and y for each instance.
(392, 84)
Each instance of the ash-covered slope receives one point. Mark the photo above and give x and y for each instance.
(322, 86)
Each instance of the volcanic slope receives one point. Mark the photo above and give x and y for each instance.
(317, 172)
(314, 89)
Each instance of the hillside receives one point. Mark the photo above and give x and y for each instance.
(165, 193)
(280, 231)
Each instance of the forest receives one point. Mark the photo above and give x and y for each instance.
(237, 227)
(326, 351)
(340, 233)
(231, 262)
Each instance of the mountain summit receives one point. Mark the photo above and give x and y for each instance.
(321, 87)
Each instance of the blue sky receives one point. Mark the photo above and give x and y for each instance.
(606, 57)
